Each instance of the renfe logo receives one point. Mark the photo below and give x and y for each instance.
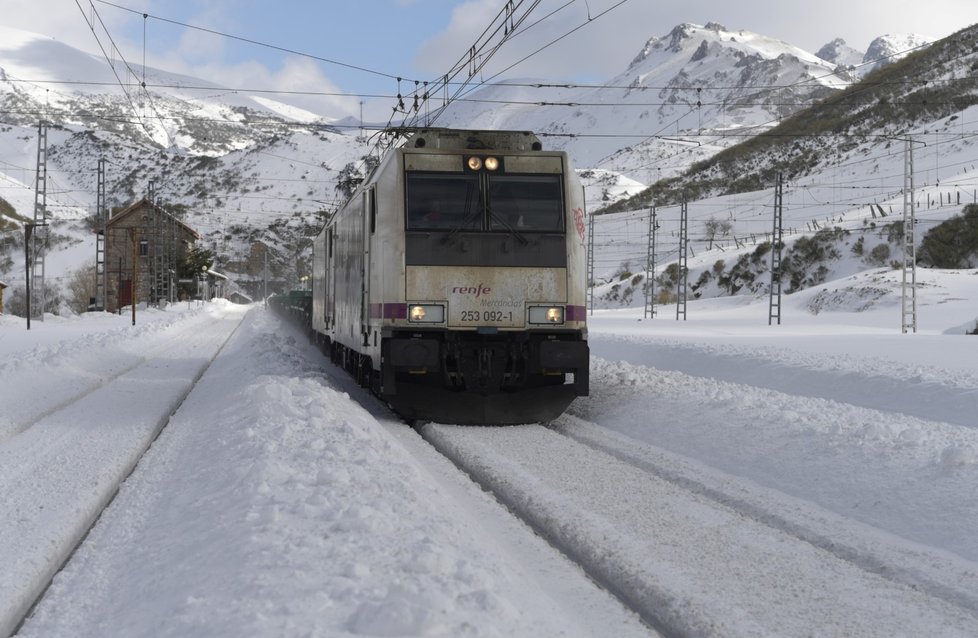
(478, 291)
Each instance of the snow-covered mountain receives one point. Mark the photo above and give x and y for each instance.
(693, 81)
(882, 51)
(249, 168)
(841, 54)
(246, 167)
(890, 48)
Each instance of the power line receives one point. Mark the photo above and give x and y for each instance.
(549, 44)
(249, 41)
(91, 25)
(149, 97)
(473, 61)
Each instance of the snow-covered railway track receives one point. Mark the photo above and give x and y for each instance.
(87, 460)
(921, 567)
(706, 556)
(81, 370)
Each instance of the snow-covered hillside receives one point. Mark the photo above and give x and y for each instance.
(245, 167)
(250, 168)
(844, 231)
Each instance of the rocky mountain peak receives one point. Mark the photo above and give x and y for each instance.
(681, 36)
(840, 54)
(830, 51)
(889, 48)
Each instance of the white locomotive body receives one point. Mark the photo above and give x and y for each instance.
(453, 281)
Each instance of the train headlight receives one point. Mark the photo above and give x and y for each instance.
(426, 313)
(547, 314)
(476, 163)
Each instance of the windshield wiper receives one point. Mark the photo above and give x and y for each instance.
(469, 217)
(512, 231)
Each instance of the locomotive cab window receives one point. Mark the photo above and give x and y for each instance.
(443, 201)
(473, 202)
(525, 203)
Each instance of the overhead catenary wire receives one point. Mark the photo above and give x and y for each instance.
(142, 83)
(539, 50)
(568, 135)
(389, 75)
(508, 20)
(255, 42)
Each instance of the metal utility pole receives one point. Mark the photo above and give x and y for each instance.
(28, 234)
(909, 311)
(590, 264)
(39, 236)
(133, 282)
(157, 244)
(683, 268)
(650, 266)
(172, 252)
(774, 307)
(101, 219)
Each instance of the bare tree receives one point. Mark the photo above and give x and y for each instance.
(81, 287)
(716, 228)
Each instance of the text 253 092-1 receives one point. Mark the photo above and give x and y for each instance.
(486, 316)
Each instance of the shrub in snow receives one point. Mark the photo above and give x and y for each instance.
(879, 255)
(952, 243)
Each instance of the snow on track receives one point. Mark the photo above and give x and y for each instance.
(61, 472)
(910, 477)
(275, 504)
(83, 360)
(924, 568)
(823, 369)
(689, 564)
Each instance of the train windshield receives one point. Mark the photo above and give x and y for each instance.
(525, 202)
(443, 201)
(501, 202)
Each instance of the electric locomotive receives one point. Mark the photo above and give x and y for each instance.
(452, 283)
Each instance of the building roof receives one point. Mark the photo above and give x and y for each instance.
(143, 203)
(2, 285)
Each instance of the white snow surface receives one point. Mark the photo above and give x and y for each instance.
(272, 503)
(280, 499)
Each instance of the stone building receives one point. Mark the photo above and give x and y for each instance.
(2, 286)
(144, 246)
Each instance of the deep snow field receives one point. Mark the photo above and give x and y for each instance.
(282, 500)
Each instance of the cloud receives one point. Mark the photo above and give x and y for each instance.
(180, 50)
(62, 21)
(297, 81)
(558, 40)
(439, 53)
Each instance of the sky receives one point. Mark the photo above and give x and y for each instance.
(423, 39)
